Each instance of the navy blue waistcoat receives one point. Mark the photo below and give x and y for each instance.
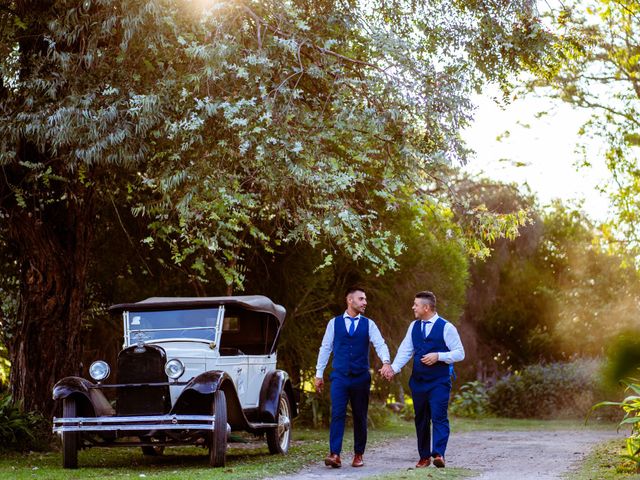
(350, 353)
(433, 343)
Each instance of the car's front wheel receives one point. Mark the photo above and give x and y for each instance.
(279, 438)
(69, 439)
(218, 437)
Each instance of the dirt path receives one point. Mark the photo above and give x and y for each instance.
(504, 455)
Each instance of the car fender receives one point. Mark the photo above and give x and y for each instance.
(272, 386)
(90, 400)
(197, 395)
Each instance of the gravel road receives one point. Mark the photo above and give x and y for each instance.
(503, 455)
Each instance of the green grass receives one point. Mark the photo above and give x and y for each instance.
(605, 463)
(431, 473)
(246, 461)
(501, 424)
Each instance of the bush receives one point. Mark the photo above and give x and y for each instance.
(313, 410)
(21, 430)
(471, 401)
(556, 390)
(623, 357)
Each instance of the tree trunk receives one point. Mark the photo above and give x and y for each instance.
(53, 256)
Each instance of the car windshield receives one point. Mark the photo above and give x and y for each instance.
(199, 324)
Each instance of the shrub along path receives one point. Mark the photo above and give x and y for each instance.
(483, 455)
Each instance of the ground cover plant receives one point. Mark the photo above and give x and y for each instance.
(21, 430)
(631, 407)
(605, 462)
(246, 460)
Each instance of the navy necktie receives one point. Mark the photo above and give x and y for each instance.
(424, 328)
(352, 327)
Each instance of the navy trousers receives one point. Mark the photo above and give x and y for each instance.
(354, 390)
(430, 404)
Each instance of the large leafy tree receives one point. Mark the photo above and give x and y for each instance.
(554, 293)
(231, 127)
(600, 72)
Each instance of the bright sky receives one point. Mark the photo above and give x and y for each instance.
(547, 148)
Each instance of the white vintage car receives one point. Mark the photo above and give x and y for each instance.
(191, 371)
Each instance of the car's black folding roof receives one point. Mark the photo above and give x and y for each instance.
(256, 303)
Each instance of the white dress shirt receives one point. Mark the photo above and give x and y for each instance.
(451, 339)
(327, 342)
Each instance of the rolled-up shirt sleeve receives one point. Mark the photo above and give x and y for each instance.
(326, 347)
(454, 344)
(378, 343)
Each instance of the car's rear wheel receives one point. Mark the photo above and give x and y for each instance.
(218, 437)
(69, 439)
(279, 438)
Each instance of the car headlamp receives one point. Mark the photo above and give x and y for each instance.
(174, 369)
(99, 370)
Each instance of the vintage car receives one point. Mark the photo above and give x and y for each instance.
(191, 371)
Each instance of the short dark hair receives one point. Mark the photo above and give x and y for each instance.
(354, 288)
(428, 297)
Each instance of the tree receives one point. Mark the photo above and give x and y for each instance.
(526, 303)
(597, 289)
(600, 72)
(239, 128)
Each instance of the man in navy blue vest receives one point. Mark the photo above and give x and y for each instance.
(348, 336)
(434, 345)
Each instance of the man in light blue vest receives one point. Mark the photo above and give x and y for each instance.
(434, 345)
(348, 336)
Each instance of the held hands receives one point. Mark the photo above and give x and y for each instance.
(387, 372)
(319, 384)
(429, 358)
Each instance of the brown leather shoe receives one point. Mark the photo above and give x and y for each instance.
(438, 461)
(357, 460)
(333, 460)
(424, 462)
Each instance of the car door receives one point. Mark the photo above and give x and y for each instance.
(259, 366)
(236, 366)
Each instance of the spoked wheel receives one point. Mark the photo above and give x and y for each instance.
(69, 439)
(279, 438)
(218, 437)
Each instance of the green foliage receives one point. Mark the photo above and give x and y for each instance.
(623, 357)
(240, 135)
(552, 390)
(599, 73)
(8, 310)
(21, 430)
(259, 124)
(596, 289)
(631, 408)
(526, 302)
(314, 410)
(471, 400)
(601, 464)
(4, 367)
(379, 415)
